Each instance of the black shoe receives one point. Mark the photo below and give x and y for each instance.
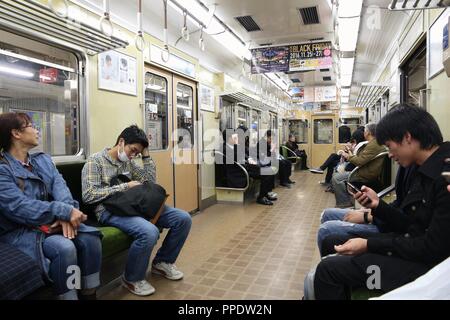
(291, 182)
(271, 198)
(286, 185)
(264, 201)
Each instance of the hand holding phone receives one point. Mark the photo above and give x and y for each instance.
(352, 189)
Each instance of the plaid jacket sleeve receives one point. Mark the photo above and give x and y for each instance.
(145, 173)
(91, 180)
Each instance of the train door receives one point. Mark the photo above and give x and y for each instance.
(185, 146)
(323, 142)
(170, 113)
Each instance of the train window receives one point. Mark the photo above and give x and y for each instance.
(323, 131)
(185, 113)
(347, 128)
(44, 84)
(299, 128)
(254, 128)
(242, 116)
(156, 104)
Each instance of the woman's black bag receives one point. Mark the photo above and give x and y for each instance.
(145, 200)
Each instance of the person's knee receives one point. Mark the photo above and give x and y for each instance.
(89, 242)
(147, 235)
(326, 215)
(184, 219)
(67, 251)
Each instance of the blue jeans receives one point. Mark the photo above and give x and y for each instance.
(145, 236)
(84, 251)
(332, 223)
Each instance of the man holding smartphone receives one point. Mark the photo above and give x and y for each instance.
(420, 237)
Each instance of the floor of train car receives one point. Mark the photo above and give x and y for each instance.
(248, 251)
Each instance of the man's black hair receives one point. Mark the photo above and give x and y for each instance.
(407, 118)
(358, 136)
(269, 133)
(133, 134)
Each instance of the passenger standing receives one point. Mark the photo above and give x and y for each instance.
(97, 174)
(38, 214)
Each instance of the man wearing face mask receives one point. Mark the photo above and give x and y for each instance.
(97, 174)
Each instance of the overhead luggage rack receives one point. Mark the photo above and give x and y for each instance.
(418, 4)
(370, 93)
(32, 18)
(242, 98)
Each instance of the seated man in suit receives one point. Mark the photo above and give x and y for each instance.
(235, 178)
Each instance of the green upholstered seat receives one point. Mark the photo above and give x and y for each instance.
(114, 241)
(365, 294)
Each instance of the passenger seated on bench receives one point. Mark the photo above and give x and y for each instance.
(235, 152)
(420, 226)
(292, 144)
(356, 145)
(284, 166)
(367, 174)
(38, 214)
(97, 174)
(335, 221)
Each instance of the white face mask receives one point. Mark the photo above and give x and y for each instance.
(122, 155)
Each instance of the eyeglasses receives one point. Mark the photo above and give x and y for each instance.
(30, 125)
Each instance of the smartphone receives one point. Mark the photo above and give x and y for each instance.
(446, 175)
(352, 188)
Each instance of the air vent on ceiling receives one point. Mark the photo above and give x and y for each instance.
(248, 23)
(316, 39)
(295, 80)
(326, 78)
(324, 70)
(309, 15)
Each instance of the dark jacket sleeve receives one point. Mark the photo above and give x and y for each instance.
(432, 246)
(392, 216)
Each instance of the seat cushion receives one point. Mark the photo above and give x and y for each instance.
(365, 294)
(114, 241)
(20, 275)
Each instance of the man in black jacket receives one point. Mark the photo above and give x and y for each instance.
(235, 178)
(420, 225)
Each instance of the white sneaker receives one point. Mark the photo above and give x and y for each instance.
(139, 288)
(168, 270)
(272, 194)
(316, 170)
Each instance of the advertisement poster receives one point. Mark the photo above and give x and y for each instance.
(310, 56)
(297, 92)
(271, 59)
(206, 98)
(117, 72)
(325, 93)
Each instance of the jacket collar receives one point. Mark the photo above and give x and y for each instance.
(111, 160)
(18, 168)
(432, 167)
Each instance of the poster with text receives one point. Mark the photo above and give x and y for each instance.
(310, 56)
(270, 59)
(117, 72)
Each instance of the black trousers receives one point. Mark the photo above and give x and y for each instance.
(267, 181)
(336, 275)
(329, 164)
(284, 170)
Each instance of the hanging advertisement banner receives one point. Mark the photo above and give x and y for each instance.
(291, 58)
(325, 93)
(270, 59)
(310, 56)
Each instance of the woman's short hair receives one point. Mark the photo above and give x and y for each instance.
(8, 122)
(405, 118)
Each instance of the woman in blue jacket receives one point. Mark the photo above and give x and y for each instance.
(39, 216)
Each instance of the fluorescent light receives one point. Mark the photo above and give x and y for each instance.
(346, 80)
(230, 42)
(349, 8)
(348, 33)
(346, 65)
(345, 92)
(16, 72)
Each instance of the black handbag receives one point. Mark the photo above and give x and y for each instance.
(145, 200)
